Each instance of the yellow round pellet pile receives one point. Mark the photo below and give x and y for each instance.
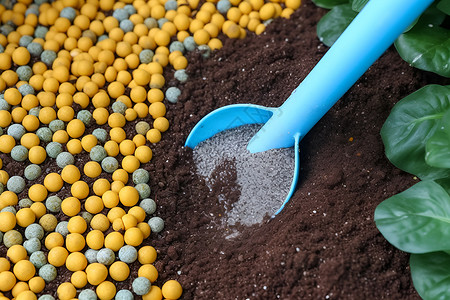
(73, 73)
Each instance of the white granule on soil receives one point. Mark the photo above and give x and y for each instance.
(264, 178)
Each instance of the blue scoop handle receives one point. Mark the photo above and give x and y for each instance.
(373, 30)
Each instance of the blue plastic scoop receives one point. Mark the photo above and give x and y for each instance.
(373, 30)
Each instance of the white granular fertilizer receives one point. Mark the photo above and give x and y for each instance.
(264, 178)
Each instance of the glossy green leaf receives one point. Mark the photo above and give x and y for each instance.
(329, 4)
(426, 47)
(411, 25)
(416, 220)
(333, 24)
(358, 5)
(438, 146)
(445, 184)
(412, 121)
(432, 15)
(430, 273)
(444, 6)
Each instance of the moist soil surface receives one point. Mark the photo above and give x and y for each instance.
(324, 244)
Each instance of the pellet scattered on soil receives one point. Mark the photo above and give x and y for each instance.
(264, 178)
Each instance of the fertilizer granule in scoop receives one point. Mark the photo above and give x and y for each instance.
(264, 178)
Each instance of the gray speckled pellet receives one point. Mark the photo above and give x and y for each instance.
(264, 178)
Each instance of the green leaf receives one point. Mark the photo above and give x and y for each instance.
(357, 5)
(444, 6)
(411, 25)
(329, 4)
(427, 45)
(438, 146)
(333, 24)
(445, 184)
(416, 220)
(430, 273)
(432, 15)
(412, 121)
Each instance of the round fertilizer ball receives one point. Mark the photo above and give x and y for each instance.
(35, 49)
(68, 13)
(34, 231)
(130, 9)
(24, 41)
(98, 153)
(56, 125)
(19, 153)
(128, 254)
(64, 159)
(46, 297)
(141, 286)
(16, 184)
(26, 89)
(91, 255)
(171, 5)
(11, 209)
(106, 256)
(148, 205)
(44, 134)
(142, 127)
(87, 216)
(156, 224)
(53, 149)
(6, 29)
(48, 272)
(124, 295)
(141, 176)
(16, 131)
(53, 204)
(32, 9)
(172, 94)
(87, 295)
(223, 6)
(205, 50)
(48, 57)
(32, 245)
(143, 190)
(126, 26)
(24, 73)
(32, 172)
(181, 75)
(4, 105)
(62, 229)
(85, 116)
(150, 23)
(162, 21)
(110, 164)
(119, 107)
(34, 111)
(189, 43)
(100, 134)
(38, 259)
(177, 46)
(25, 202)
(120, 14)
(146, 56)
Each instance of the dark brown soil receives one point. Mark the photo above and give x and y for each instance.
(324, 245)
